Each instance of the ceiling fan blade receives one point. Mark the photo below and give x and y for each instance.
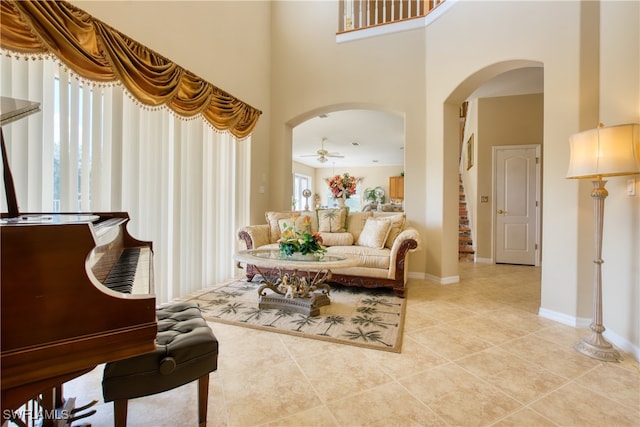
(322, 154)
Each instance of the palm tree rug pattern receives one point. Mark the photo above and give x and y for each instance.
(369, 318)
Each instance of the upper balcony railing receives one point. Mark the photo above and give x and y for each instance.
(360, 14)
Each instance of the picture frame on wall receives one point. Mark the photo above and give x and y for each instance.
(470, 152)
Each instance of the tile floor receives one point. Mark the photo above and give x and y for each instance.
(474, 354)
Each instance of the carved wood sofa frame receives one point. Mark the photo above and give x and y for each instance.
(397, 283)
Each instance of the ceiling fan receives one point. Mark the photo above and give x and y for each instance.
(323, 154)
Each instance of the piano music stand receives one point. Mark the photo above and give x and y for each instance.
(9, 187)
(11, 110)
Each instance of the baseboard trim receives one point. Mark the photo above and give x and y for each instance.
(556, 316)
(581, 323)
(442, 280)
(623, 343)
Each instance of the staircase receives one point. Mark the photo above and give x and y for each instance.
(466, 252)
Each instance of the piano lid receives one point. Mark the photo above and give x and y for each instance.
(12, 109)
(50, 219)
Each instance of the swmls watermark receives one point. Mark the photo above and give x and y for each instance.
(40, 414)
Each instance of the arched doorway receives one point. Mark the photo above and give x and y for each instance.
(503, 107)
(364, 141)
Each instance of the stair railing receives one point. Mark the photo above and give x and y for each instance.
(360, 14)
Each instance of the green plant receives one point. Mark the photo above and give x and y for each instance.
(292, 240)
(370, 194)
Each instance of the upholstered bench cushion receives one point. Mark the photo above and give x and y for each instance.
(186, 349)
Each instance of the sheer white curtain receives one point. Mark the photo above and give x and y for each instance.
(92, 148)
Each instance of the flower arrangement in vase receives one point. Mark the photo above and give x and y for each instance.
(343, 187)
(294, 241)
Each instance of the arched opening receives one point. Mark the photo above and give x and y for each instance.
(365, 141)
(503, 107)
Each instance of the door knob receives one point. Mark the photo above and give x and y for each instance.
(500, 211)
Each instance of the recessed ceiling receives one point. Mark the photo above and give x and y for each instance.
(376, 138)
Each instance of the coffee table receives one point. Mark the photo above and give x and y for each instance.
(299, 284)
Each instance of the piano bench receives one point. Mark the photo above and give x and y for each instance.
(186, 350)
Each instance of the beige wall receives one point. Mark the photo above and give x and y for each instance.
(287, 63)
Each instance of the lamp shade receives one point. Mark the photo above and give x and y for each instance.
(605, 151)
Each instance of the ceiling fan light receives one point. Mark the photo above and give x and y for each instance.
(322, 159)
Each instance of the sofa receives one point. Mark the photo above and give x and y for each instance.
(381, 240)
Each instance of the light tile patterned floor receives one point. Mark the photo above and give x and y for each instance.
(474, 354)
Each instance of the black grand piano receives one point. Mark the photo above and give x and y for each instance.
(76, 292)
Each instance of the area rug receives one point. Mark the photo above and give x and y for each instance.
(370, 318)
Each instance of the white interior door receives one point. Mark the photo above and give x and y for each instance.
(516, 198)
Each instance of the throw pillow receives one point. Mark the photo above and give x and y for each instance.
(332, 220)
(355, 223)
(313, 218)
(299, 224)
(375, 232)
(337, 239)
(397, 224)
(273, 219)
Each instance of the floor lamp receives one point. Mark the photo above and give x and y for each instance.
(598, 153)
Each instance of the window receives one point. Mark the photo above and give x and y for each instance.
(92, 148)
(298, 201)
(75, 99)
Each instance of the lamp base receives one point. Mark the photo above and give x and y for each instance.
(596, 347)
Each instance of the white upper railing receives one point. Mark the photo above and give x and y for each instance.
(362, 14)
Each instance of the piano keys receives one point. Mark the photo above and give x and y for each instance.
(129, 268)
(76, 291)
(122, 277)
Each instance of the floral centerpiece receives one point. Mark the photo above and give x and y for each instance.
(343, 187)
(304, 242)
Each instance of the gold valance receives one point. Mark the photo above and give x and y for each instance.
(99, 53)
